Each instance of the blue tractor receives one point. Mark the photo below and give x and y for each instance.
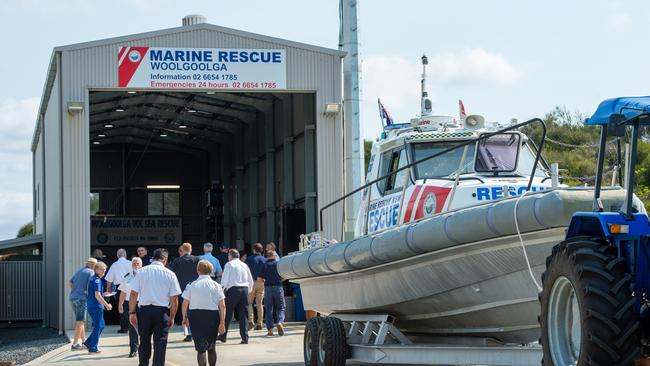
(594, 303)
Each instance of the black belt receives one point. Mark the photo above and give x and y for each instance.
(153, 306)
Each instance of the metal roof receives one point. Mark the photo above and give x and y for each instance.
(19, 242)
(206, 26)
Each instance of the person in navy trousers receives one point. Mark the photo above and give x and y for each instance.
(96, 306)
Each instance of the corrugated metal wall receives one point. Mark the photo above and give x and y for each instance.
(21, 291)
(95, 67)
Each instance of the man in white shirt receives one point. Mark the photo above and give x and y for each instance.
(115, 275)
(123, 308)
(155, 290)
(238, 283)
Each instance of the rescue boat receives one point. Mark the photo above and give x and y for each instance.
(455, 244)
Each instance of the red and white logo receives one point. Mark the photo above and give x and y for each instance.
(424, 201)
(128, 61)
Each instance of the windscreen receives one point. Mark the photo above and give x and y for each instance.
(498, 153)
(445, 164)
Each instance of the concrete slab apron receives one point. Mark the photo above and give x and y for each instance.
(261, 350)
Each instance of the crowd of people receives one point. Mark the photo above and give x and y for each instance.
(200, 293)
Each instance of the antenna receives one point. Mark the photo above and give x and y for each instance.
(425, 102)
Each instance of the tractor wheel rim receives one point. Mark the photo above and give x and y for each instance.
(563, 323)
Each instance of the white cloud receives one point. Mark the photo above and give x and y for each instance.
(620, 22)
(396, 81)
(17, 118)
(473, 66)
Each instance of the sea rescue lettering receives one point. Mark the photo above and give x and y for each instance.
(383, 218)
(493, 193)
(383, 214)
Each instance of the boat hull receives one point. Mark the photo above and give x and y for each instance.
(478, 289)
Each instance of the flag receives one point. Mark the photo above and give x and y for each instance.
(461, 110)
(384, 115)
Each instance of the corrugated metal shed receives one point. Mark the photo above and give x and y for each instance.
(64, 174)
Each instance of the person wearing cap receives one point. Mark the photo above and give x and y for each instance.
(123, 306)
(78, 285)
(222, 256)
(207, 255)
(98, 255)
(96, 306)
(205, 299)
(238, 283)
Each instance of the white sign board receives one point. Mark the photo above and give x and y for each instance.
(201, 68)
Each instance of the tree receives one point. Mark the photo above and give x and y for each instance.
(575, 147)
(26, 230)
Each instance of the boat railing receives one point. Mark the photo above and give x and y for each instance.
(410, 165)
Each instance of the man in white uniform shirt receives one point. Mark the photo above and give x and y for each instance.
(237, 280)
(115, 275)
(155, 290)
(123, 307)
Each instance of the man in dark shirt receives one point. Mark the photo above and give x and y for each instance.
(185, 269)
(146, 258)
(273, 293)
(222, 256)
(255, 263)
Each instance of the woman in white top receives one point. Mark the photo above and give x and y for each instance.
(204, 311)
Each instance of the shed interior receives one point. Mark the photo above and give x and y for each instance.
(232, 166)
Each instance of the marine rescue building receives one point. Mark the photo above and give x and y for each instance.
(197, 133)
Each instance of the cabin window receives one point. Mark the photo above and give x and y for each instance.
(390, 162)
(444, 165)
(498, 153)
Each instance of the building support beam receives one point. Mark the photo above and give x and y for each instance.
(239, 187)
(253, 178)
(311, 199)
(269, 127)
(226, 174)
(287, 155)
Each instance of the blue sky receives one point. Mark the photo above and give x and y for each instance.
(504, 59)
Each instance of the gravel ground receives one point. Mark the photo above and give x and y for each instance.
(25, 344)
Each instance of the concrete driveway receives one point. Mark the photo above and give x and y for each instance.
(261, 350)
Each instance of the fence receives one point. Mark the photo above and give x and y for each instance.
(21, 291)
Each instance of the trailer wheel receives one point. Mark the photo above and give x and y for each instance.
(332, 344)
(310, 341)
(588, 315)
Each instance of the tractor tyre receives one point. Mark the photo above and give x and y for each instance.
(587, 306)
